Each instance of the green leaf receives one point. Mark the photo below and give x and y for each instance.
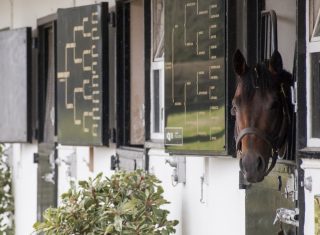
(131, 205)
(99, 176)
(109, 229)
(118, 223)
(84, 184)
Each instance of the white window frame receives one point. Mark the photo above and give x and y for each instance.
(156, 64)
(159, 65)
(313, 46)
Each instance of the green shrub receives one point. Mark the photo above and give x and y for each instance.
(6, 198)
(127, 203)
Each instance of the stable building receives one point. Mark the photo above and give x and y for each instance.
(99, 86)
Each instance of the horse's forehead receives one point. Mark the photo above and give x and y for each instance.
(257, 96)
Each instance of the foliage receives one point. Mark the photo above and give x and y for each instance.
(127, 203)
(6, 198)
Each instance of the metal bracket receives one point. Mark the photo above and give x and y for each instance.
(290, 191)
(35, 158)
(179, 169)
(287, 216)
(308, 183)
(115, 162)
(172, 162)
(294, 96)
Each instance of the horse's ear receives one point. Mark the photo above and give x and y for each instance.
(275, 64)
(239, 63)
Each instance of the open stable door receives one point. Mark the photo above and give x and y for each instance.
(130, 83)
(47, 175)
(82, 75)
(271, 204)
(15, 89)
(131, 80)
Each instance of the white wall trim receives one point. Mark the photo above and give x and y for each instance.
(312, 47)
(310, 164)
(158, 152)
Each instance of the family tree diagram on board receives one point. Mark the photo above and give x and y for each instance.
(81, 75)
(195, 75)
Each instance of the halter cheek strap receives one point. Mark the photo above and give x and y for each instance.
(254, 131)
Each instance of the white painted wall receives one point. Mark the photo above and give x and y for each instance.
(24, 187)
(286, 16)
(5, 10)
(224, 203)
(311, 169)
(223, 210)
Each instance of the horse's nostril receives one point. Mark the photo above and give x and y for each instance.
(261, 164)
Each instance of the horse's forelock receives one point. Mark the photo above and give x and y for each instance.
(257, 77)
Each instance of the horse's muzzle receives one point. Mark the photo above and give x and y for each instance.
(253, 167)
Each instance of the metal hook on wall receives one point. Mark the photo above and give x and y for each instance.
(201, 194)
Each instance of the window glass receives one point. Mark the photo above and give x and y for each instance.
(49, 122)
(316, 30)
(156, 101)
(315, 79)
(158, 28)
(314, 19)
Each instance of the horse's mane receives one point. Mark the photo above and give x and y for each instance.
(260, 77)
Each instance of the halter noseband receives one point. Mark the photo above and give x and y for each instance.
(263, 136)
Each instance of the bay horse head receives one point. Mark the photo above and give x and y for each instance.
(261, 108)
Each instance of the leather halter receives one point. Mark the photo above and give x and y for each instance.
(275, 143)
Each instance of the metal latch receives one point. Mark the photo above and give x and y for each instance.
(307, 183)
(294, 96)
(115, 161)
(287, 216)
(291, 191)
(179, 170)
